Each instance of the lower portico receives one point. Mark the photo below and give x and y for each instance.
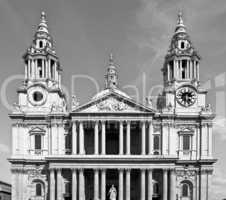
(142, 181)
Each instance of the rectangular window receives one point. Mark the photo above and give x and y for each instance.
(186, 142)
(156, 146)
(38, 142)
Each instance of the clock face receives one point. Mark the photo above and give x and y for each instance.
(186, 96)
(37, 96)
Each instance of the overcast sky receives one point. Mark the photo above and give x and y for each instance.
(138, 32)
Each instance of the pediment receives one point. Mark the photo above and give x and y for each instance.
(113, 102)
(186, 130)
(36, 130)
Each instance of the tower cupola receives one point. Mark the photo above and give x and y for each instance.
(41, 61)
(182, 60)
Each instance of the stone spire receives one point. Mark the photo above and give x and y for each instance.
(112, 75)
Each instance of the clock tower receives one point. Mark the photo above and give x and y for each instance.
(41, 90)
(182, 90)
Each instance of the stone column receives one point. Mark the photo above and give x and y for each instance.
(128, 138)
(120, 184)
(81, 185)
(74, 184)
(103, 138)
(52, 184)
(150, 185)
(150, 139)
(142, 184)
(172, 184)
(81, 138)
(121, 137)
(103, 184)
(96, 138)
(96, 184)
(143, 139)
(74, 138)
(128, 184)
(59, 185)
(168, 72)
(165, 184)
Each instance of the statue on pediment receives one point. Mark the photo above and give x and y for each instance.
(75, 102)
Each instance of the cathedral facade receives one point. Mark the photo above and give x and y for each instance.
(111, 147)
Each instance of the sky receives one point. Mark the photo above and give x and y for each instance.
(137, 32)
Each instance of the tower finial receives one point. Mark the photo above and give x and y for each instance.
(180, 19)
(43, 17)
(43, 27)
(111, 59)
(180, 23)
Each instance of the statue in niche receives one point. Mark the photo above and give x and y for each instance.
(112, 193)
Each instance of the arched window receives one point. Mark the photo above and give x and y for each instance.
(38, 189)
(40, 44)
(182, 45)
(185, 190)
(40, 72)
(184, 68)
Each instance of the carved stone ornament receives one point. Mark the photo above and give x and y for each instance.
(187, 174)
(111, 105)
(56, 108)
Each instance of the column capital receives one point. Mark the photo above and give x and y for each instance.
(165, 169)
(128, 121)
(81, 169)
(103, 121)
(150, 170)
(121, 122)
(128, 169)
(52, 169)
(74, 169)
(59, 170)
(102, 169)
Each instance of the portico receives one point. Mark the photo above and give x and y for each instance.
(112, 137)
(124, 180)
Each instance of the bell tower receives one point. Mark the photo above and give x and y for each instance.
(41, 63)
(181, 80)
(41, 90)
(182, 60)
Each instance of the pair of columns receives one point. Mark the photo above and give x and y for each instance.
(103, 138)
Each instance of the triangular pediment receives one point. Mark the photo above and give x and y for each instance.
(112, 102)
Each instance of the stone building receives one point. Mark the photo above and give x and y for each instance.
(5, 191)
(147, 152)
